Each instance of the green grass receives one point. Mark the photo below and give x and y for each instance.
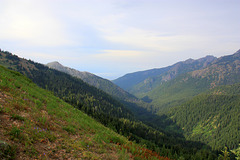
(43, 126)
(17, 117)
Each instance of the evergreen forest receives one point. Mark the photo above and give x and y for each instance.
(195, 114)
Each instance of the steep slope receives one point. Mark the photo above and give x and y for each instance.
(96, 81)
(129, 80)
(212, 117)
(105, 109)
(222, 71)
(137, 106)
(70, 89)
(37, 125)
(176, 70)
(148, 80)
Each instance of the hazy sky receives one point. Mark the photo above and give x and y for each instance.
(113, 37)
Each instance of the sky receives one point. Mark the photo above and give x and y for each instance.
(111, 38)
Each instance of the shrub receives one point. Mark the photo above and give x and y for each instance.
(17, 117)
(7, 151)
(70, 129)
(15, 132)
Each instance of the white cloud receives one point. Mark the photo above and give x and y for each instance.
(155, 41)
(118, 54)
(118, 36)
(123, 59)
(31, 23)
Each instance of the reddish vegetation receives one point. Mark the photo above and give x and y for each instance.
(140, 152)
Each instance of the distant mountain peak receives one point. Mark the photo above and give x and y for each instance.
(190, 60)
(94, 80)
(54, 63)
(206, 58)
(132, 81)
(58, 66)
(237, 53)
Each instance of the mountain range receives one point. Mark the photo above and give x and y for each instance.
(139, 108)
(35, 124)
(144, 81)
(107, 110)
(200, 96)
(95, 81)
(183, 80)
(187, 108)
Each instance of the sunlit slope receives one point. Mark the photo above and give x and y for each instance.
(73, 90)
(107, 110)
(94, 102)
(37, 125)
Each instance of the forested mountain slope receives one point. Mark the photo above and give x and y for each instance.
(212, 117)
(74, 90)
(104, 108)
(222, 71)
(140, 109)
(176, 70)
(95, 81)
(131, 79)
(150, 79)
(207, 116)
(34, 124)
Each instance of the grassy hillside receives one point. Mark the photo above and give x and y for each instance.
(212, 118)
(107, 110)
(36, 124)
(89, 99)
(72, 90)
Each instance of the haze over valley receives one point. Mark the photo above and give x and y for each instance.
(120, 79)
